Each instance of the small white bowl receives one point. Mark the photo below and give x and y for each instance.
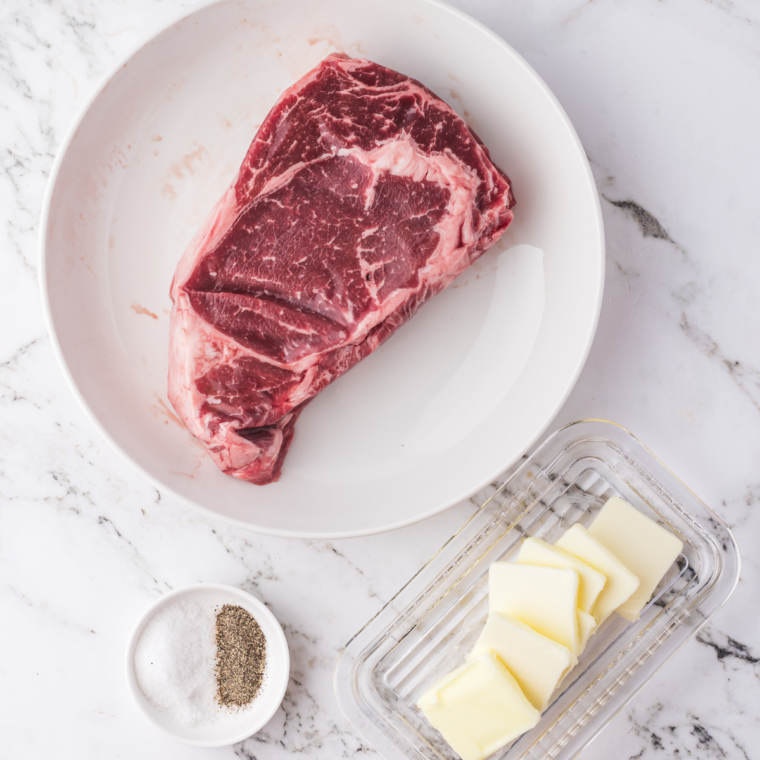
(233, 727)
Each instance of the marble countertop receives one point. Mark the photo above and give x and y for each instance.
(666, 100)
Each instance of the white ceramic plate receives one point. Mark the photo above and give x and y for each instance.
(454, 398)
(228, 728)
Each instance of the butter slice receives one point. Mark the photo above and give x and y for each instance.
(639, 543)
(478, 707)
(621, 582)
(544, 598)
(586, 626)
(537, 663)
(534, 551)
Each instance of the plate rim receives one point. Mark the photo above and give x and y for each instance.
(461, 496)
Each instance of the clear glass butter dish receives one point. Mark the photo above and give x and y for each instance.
(426, 630)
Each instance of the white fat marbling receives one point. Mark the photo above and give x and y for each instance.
(666, 99)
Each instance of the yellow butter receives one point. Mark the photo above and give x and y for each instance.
(642, 545)
(544, 598)
(534, 551)
(537, 663)
(478, 707)
(586, 626)
(621, 582)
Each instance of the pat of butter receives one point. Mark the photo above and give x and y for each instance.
(639, 543)
(478, 707)
(545, 598)
(621, 582)
(586, 626)
(537, 663)
(534, 551)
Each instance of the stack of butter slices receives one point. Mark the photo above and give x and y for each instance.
(543, 608)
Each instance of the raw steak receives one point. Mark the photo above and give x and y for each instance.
(362, 195)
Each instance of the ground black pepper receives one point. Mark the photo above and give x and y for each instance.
(241, 653)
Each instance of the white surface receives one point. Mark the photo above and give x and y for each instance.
(419, 425)
(666, 100)
(231, 727)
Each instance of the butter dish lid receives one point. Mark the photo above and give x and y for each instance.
(427, 629)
